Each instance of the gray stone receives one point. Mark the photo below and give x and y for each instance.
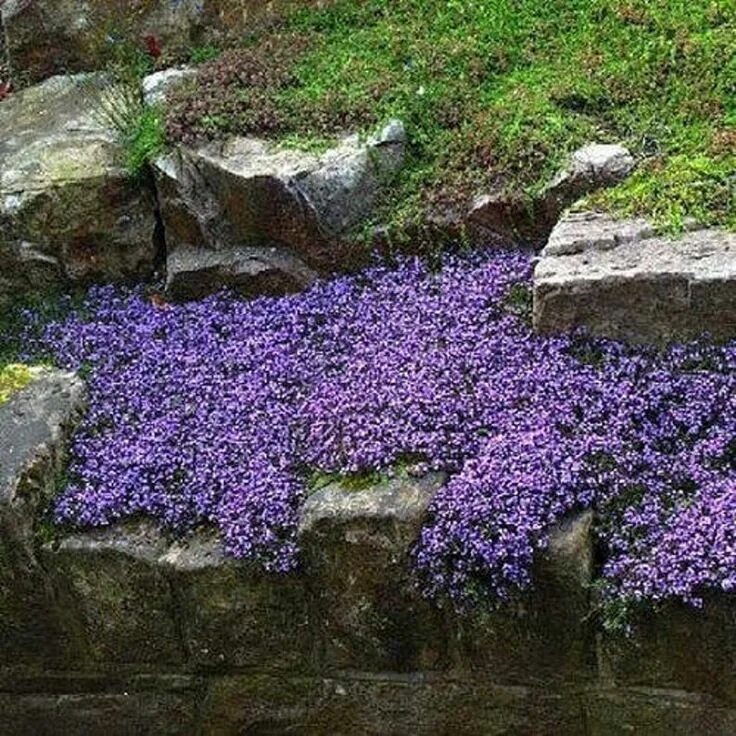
(69, 212)
(157, 86)
(193, 273)
(592, 167)
(232, 617)
(102, 706)
(620, 280)
(656, 713)
(503, 217)
(677, 647)
(35, 427)
(123, 598)
(545, 635)
(356, 544)
(276, 210)
(387, 705)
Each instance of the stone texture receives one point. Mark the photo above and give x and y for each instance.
(122, 596)
(193, 273)
(656, 713)
(234, 618)
(594, 166)
(158, 85)
(69, 212)
(678, 648)
(102, 706)
(620, 280)
(35, 426)
(47, 37)
(357, 545)
(544, 636)
(268, 211)
(514, 218)
(385, 706)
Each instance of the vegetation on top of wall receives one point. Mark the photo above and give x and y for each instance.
(496, 95)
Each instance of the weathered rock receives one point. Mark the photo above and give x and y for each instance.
(620, 280)
(244, 197)
(47, 37)
(357, 545)
(35, 426)
(158, 85)
(592, 167)
(69, 212)
(123, 598)
(193, 273)
(232, 617)
(386, 706)
(515, 218)
(545, 635)
(678, 648)
(656, 713)
(102, 706)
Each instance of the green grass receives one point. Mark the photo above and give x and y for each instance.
(498, 93)
(145, 140)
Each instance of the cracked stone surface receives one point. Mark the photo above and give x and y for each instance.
(69, 212)
(621, 280)
(274, 217)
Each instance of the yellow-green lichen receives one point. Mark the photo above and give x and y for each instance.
(13, 377)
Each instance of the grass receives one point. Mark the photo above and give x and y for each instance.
(495, 95)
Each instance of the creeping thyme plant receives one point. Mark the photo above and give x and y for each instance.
(217, 413)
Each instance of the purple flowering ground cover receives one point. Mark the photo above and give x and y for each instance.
(217, 413)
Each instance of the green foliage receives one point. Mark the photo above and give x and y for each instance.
(499, 93)
(145, 141)
(117, 100)
(202, 54)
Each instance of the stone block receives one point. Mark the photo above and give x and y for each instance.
(545, 636)
(620, 280)
(234, 618)
(357, 546)
(122, 595)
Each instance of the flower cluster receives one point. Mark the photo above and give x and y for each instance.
(214, 413)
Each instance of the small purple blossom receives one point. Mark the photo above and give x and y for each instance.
(214, 413)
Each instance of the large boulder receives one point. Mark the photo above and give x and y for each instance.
(69, 211)
(47, 37)
(35, 426)
(263, 218)
(621, 280)
(357, 545)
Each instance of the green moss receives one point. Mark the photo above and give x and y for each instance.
(499, 93)
(13, 377)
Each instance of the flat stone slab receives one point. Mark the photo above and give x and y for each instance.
(619, 279)
(69, 211)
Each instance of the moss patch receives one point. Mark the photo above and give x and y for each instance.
(13, 377)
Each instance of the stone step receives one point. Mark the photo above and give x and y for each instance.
(619, 279)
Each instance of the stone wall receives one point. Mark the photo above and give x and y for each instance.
(124, 630)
